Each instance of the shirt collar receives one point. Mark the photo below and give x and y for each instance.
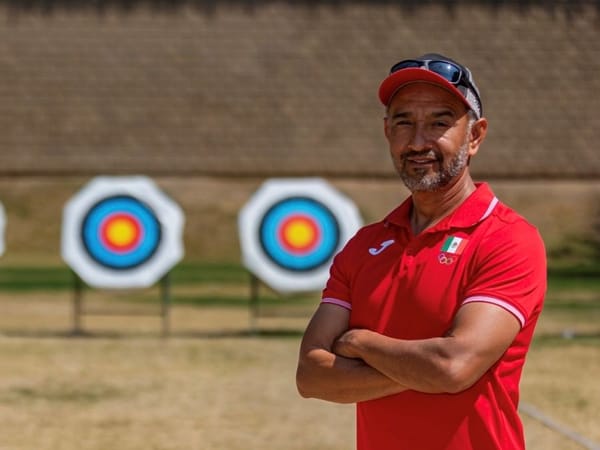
(476, 208)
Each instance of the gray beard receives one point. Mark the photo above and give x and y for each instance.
(430, 182)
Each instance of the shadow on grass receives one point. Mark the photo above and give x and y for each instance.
(263, 333)
(567, 337)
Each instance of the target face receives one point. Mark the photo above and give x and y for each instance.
(290, 230)
(299, 234)
(121, 232)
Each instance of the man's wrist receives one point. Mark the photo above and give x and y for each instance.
(350, 344)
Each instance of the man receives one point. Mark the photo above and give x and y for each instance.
(428, 315)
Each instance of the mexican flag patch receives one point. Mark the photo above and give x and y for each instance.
(454, 245)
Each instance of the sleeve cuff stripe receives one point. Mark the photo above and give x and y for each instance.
(501, 303)
(335, 301)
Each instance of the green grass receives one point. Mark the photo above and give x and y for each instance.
(205, 272)
(57, 278)
(564, 283)
(33, 277)
(21, 278)
(574, 289)
(556, 340)
(580, 276)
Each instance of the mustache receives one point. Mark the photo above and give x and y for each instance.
(422, 154)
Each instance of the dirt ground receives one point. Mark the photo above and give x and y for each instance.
(213, 384)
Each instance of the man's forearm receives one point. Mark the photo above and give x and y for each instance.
(324, 375)
(417, 364)
(481, 333)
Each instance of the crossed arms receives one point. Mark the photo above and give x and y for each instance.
(348, 366)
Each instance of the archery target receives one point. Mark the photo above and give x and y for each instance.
(299, 234)
(291, 229)
(121, 232)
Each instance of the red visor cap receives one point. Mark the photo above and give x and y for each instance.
(396, 80)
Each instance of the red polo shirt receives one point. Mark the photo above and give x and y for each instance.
(410, 287)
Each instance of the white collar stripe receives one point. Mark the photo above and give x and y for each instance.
(491, 207)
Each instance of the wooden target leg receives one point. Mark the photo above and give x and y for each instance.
(254, 303)
(165, 284)
(77, 305)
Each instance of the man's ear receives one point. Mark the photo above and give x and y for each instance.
(477, 135)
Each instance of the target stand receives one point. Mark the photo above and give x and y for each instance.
(79, 309)
(121, 233)
(256, 311)
(2, 229)
(290, 230)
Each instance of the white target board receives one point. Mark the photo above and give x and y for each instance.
(291, 229)
(121, 232)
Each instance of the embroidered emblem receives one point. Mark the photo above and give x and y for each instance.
(454, 245)
(385, 244)
(445, 259)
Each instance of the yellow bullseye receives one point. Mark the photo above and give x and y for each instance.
(299, 233)
(121, 232)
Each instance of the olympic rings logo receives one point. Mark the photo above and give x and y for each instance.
(445, 259)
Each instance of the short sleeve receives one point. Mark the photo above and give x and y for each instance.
(509, 270)
(338, 287)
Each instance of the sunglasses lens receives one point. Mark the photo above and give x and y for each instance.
(405, 65)
(449, 71)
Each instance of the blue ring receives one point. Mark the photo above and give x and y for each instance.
(92, 239)
(271, 225)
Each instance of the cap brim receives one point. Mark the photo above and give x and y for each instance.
(396, 80)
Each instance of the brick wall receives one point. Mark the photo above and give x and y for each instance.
(269, 88)
(209, 98)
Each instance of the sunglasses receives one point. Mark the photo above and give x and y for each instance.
(450, 71)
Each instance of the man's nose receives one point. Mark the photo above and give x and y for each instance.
(419, 139)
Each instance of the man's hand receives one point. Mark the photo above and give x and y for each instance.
(329, 376)
(347, 344)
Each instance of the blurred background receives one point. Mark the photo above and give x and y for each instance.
(211, 98)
